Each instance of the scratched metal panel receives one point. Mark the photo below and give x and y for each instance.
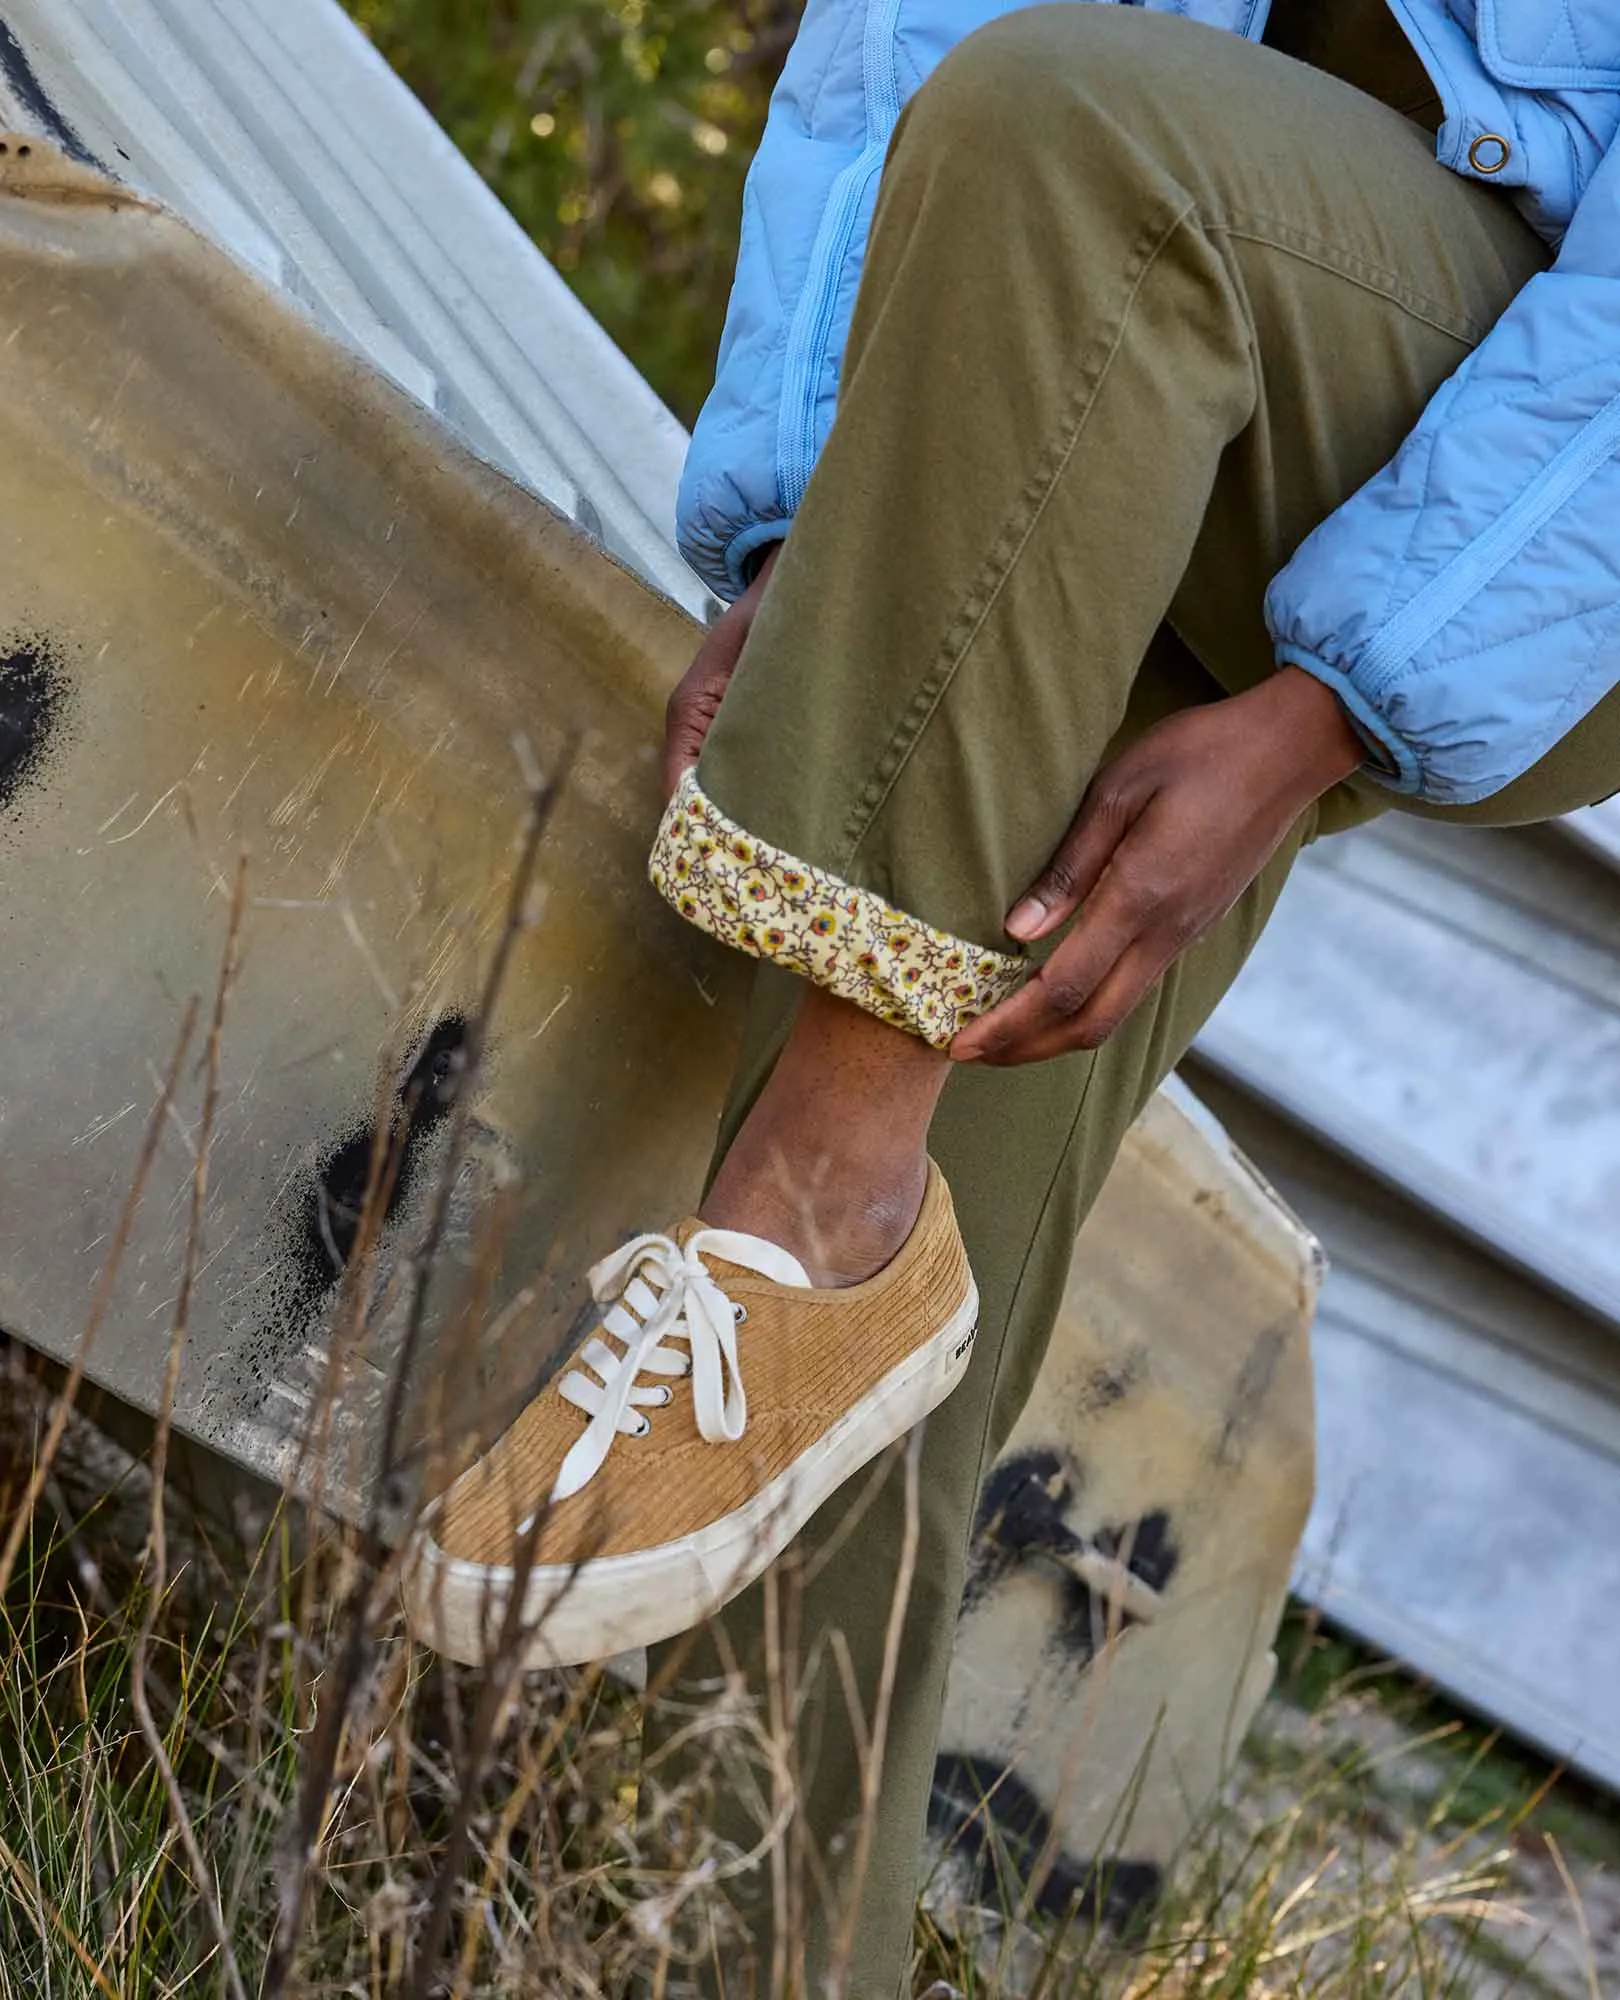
(1468, 1479)
(255, 604)
(276, 129)
(1136, 1535)
(1443, 1004)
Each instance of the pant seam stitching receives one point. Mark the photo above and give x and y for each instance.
(981, 599)
(1270, 233)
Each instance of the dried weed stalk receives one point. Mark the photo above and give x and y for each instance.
(236, 1775)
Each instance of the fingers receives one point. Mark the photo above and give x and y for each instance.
(697, 697)
(1088, 1026)
(1059, 1015)
(1106, 814)
(701, 689)
(1130, 930)
(1047, 1006)
(687, 720)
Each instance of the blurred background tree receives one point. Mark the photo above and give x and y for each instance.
(618, 133)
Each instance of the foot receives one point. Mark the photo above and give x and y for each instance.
(641, 1490)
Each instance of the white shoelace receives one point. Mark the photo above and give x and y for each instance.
(658, 1291)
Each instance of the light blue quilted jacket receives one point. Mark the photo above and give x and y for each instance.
(1465, 604)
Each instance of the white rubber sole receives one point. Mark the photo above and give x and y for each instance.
(612, 1604)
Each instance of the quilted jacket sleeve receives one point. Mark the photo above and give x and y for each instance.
(806, 205)
(1465, 604)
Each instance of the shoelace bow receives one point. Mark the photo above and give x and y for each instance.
(657, 1291)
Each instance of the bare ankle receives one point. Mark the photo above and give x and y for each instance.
(831, 1162)
(842, 1226)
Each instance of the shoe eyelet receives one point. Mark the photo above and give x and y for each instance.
(642, 1427)
(739, 1313)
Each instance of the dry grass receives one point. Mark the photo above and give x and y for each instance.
(1369, 1849)
(225, 1769)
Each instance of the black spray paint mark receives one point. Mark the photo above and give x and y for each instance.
(1107, 1388)
(33, 701)
(334, 1205)
(1145, 1548)
(1020, 1512)
(978, 1809)
(1023, 1519)
(30, 94)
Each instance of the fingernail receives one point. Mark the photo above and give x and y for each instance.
(1027, 917)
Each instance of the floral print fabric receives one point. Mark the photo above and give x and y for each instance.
(758, 899)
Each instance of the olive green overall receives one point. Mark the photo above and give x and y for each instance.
(1143, 303)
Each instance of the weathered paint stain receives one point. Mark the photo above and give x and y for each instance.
(1249, 1392)
(1023, 1518)
(1145, 1547)
(34, 101)
(1106, 1388)
(34, 693)
(333, 1206)
(986, 1814)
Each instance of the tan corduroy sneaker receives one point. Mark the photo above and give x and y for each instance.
(652, 1490)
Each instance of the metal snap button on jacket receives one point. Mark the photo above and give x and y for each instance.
(1489, 153)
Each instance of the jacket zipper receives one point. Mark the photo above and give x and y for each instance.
(1468, 572)
(811, 331)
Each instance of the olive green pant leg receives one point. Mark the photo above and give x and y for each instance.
(1142, 304)
(1025, 1153)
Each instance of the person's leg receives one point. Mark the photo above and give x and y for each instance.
(1025, 1152)
(1142, 304)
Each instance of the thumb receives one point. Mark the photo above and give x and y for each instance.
(1075, 868)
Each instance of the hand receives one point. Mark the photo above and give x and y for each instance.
(698, 693)
(1167, 838)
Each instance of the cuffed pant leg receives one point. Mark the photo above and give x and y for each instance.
(1142, 304)
(1025, 1153)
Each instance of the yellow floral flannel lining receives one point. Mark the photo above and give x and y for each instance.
(758, 899)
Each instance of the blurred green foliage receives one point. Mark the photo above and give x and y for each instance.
(618, 133)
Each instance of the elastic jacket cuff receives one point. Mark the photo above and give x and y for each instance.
(771, 904)
(748, 549)
(1389, 760)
